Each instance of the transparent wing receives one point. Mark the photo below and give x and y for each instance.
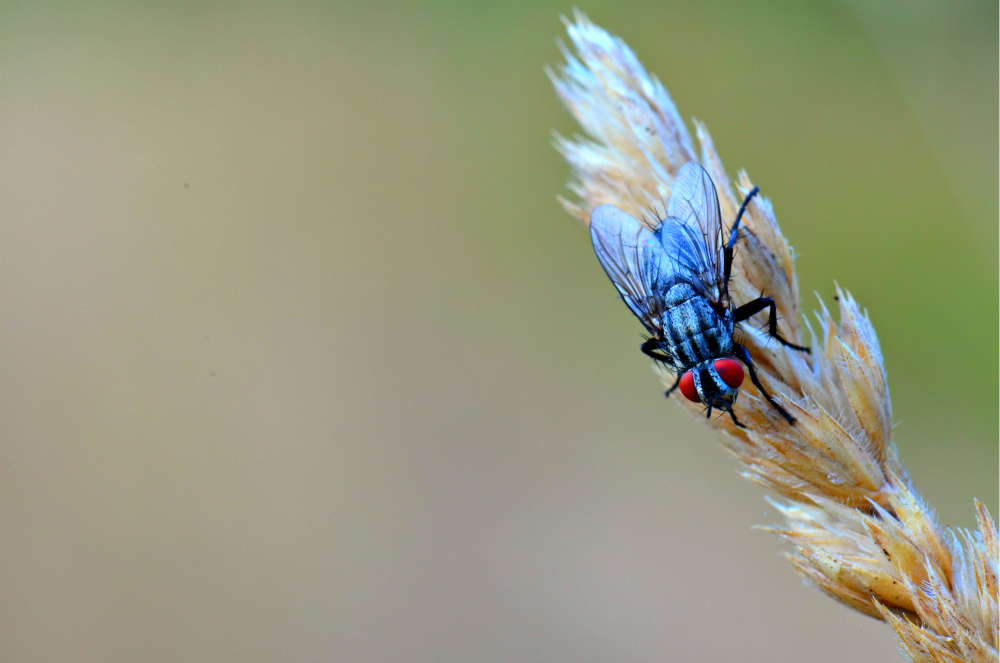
(633, 259)
(691, 234)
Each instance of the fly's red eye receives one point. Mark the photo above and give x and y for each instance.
(688, 389)
(731, 372)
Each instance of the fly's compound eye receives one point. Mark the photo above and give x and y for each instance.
(730, 370)
(688, 389)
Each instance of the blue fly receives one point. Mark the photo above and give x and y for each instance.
(675, 279)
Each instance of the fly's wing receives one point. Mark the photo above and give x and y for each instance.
(635, 262)
(692, 232)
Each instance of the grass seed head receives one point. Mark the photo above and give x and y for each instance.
(856, 526)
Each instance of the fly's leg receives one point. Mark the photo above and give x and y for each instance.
(756, 306)
(653, 349)
(743, 355)
(677, 383)
(732, 416)
(727, 254)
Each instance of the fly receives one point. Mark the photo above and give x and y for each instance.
(675, 279)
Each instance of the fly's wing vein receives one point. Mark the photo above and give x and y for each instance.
(633, 258)
(691, 234)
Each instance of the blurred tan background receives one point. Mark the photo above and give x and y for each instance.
(301, 361)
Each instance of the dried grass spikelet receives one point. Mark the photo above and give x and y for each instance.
(857, 528)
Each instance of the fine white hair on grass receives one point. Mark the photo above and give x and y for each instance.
(856, 526)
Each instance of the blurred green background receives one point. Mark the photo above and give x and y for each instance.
(301, 360)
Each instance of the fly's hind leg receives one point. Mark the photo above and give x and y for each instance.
(734, 233)
(756, 306)
(743, 355)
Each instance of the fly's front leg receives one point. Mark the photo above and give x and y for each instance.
(743, 355)
(672, 389)
(653, 349)
(756, 306)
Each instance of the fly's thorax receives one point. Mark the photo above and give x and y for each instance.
(694, 331)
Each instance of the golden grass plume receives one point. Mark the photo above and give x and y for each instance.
(857, 527)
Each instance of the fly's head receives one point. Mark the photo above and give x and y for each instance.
(714, 383)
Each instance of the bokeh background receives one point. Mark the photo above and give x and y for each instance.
(301, 360)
